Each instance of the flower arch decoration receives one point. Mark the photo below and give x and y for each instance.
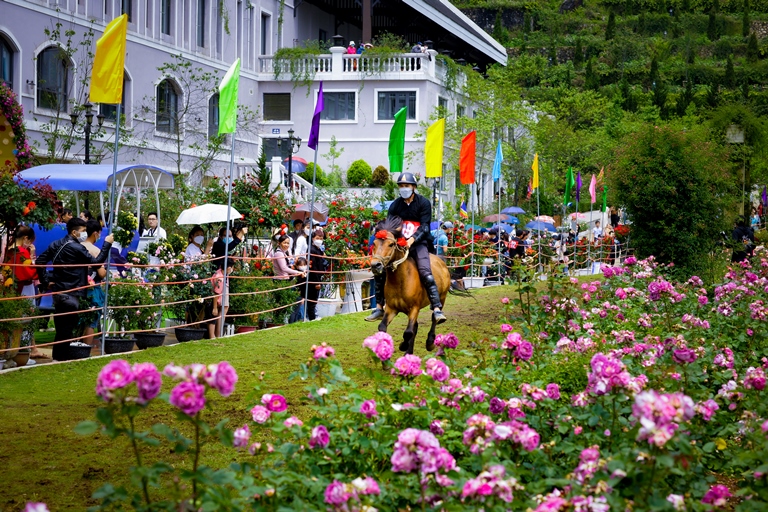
(14, 114)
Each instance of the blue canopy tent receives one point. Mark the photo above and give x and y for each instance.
(98, 178)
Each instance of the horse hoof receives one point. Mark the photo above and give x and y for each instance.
(404, 346)
(430, 344)
(439, 317)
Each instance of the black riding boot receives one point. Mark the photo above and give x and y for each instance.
(378, 312)
(434, 299)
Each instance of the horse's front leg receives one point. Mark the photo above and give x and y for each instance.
(409, 335)
(389, 315)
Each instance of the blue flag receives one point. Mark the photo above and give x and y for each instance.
(497, 163)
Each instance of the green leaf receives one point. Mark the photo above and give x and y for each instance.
(85, 428)
(709, 447)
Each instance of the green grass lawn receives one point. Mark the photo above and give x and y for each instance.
(44, 460)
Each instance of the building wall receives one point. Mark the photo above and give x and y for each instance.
(22, 24)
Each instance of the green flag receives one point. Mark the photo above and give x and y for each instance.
(397, 141)
(228, 99)
(605, 198)
(570, 182)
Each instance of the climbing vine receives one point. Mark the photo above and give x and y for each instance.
(14, 113)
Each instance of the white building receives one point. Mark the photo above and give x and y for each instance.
(361, 96)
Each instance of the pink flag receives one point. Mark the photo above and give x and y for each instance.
(592, 191)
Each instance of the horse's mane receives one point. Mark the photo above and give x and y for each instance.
(393, 224)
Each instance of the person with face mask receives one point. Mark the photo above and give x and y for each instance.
(70, 260)
(226, 244)
(318, 267)
(196, 240)
(95, 295)
(20, 253)
(415, 211)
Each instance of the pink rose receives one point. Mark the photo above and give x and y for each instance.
(148, 381)
(260, 414)
(189, 397)
(275, 403)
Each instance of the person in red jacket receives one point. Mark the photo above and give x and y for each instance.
(21, 254)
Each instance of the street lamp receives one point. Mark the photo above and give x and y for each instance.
(86, 130)
(294, 143)
(87, 127)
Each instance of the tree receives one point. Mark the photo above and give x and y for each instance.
(321, 180)
(334, 152)
(578, 54)
(685, 99)
(499, 32)
(674, 186)
(591, 80)
(746, 25)
(194, 149)
(753, 53)
(713, 32)
(729, 79)
(610, 28)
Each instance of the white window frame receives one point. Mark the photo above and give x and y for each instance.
(71, 85)
(341, 121)
(268, 49)
(376, 92)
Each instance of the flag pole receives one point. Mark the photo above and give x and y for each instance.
(225, 278)
(498, 222)
(538, 214)
(311, 235)
(474, 232)
(112, 220)
(589, 239)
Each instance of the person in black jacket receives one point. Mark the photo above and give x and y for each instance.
(318, 266)
(70, 260)
(744, 241)
(416, 212)
(226, 243)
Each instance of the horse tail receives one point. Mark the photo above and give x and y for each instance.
(457, 288)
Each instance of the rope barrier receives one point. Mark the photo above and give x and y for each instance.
(601, 253)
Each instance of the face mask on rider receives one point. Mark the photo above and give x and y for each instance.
(406, 192)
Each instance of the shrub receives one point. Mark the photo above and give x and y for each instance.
(359, 173)
(380, 176)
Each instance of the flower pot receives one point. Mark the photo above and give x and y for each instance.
(189, 333)
(117, 345)
(245, 328)
(149, 339)
(22, 358)
(474, 282)
(326, 307)
(76, 350)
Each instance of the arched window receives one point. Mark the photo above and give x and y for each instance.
(110, 111)
(53, 79)
(6, 62)
(167, 107)
(213, 116)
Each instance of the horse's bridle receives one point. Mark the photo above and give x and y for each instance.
(393, 264)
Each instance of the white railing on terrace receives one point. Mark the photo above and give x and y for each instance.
(339, 66)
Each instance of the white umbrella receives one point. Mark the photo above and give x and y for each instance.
(206, 214)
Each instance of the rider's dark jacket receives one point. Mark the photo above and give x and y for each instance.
(420, 210)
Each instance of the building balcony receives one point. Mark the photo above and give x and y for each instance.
(338, 65)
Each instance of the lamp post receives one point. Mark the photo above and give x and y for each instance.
(86, 130)
(294, 143)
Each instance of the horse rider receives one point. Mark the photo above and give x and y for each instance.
(416, 212)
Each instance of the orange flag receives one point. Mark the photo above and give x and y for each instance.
(467, 158)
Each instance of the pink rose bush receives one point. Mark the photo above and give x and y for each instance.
(632, 392)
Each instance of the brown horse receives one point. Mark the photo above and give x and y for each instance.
(403, 292)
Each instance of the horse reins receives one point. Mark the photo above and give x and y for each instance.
(393, 264)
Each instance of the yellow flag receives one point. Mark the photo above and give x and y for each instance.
(109, 63)
(535, 167)
(433, 149)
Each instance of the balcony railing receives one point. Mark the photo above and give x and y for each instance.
(339, 66)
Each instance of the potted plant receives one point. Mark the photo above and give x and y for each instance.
(125, 229)
(247, 299)
(190, 289)
(131, 308)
